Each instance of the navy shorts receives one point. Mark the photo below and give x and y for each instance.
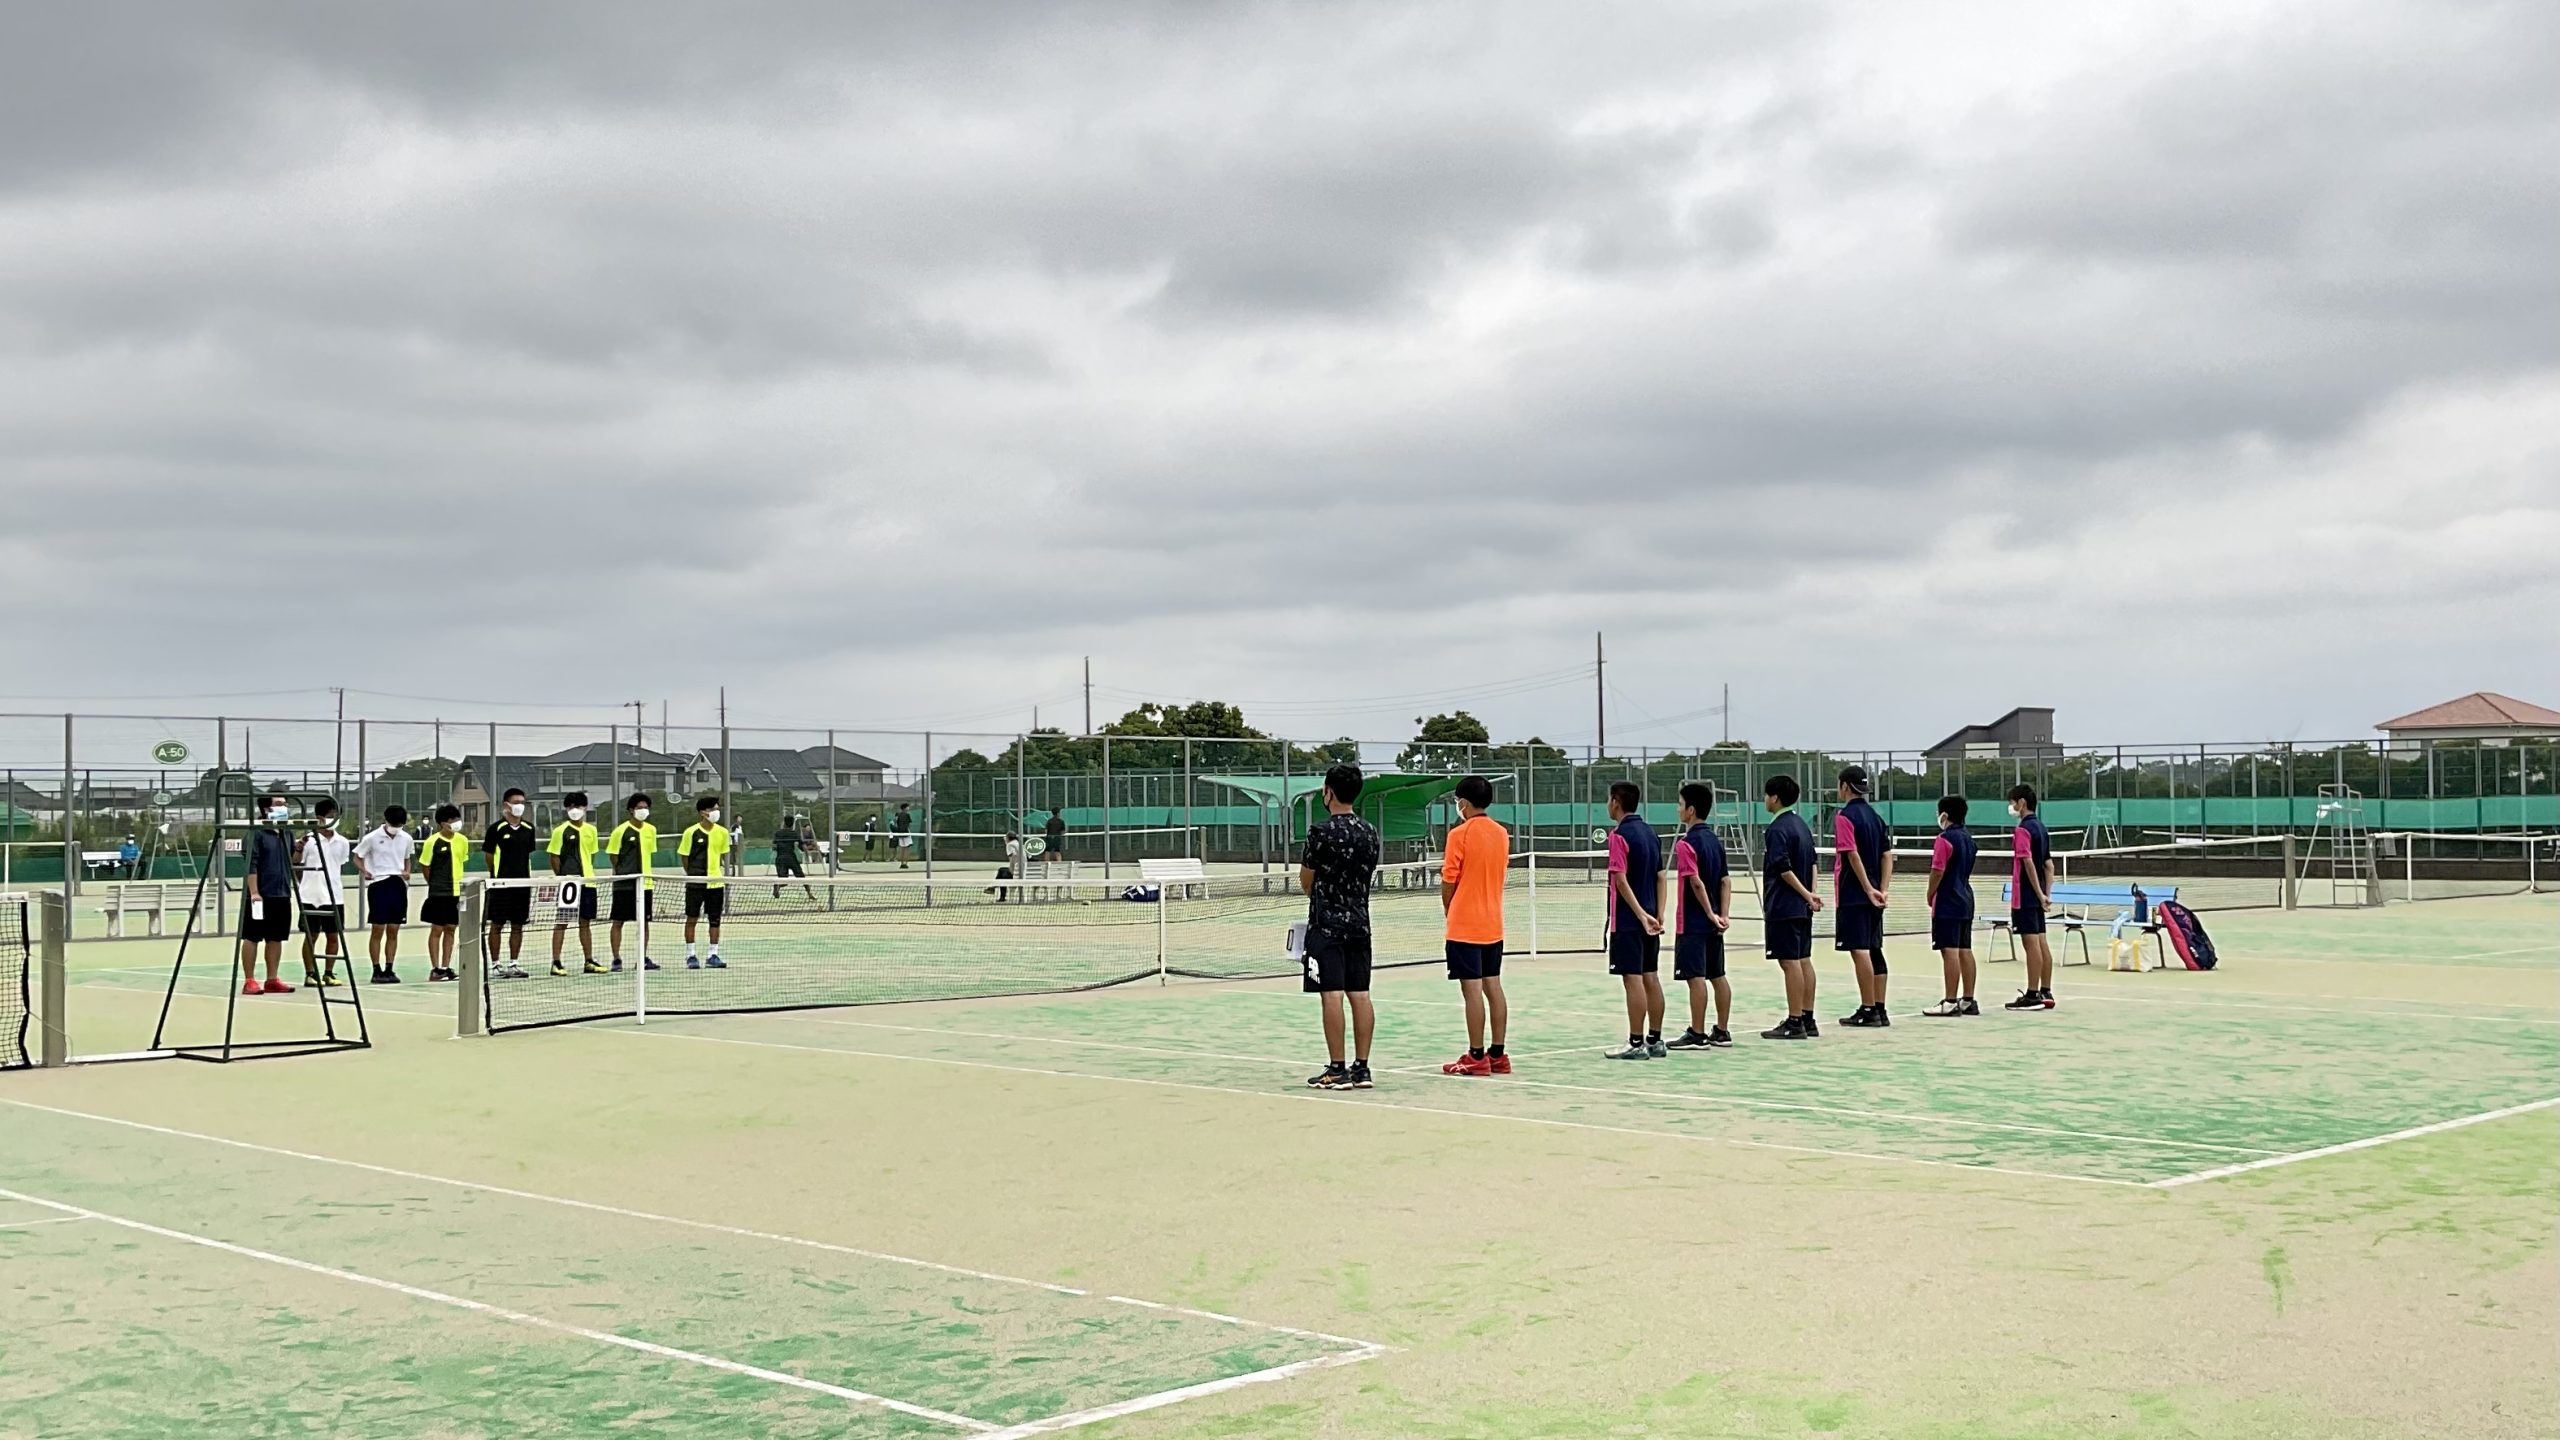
(1951, 932)
(2025, 921)
(1633, 952)
(627, 900)
(1858, 927)
(440, 910)
(1789, 937)
(1337, 963)
(1698, 954)
(273, 919)
(386, 902)
(1469, 961)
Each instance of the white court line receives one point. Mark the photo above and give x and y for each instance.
(1432, 1072)
(1382, 1109)
(1162, 1398)
(31, 1224)
(2376, 1014)
(479, 1307)
(631, 1214)
(2368, 1143)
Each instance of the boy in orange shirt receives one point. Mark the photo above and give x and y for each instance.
(1471, 881)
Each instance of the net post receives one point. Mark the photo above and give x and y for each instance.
(640, 968)
(53, 928)
(1162, 936)
(2292, 871)
(471, 1006)
(1106, 807)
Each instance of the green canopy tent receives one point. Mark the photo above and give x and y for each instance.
(1399, 804)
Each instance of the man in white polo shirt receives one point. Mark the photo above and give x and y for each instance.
(319, 871)
(382, 859)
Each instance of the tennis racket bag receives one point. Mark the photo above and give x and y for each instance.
(2186, 935)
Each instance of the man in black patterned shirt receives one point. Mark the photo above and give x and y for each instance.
(1335, 871)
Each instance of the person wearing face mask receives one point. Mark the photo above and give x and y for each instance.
(634, 848)
(382, 863)
(441, 860)
(1862, 885)
(573, 854)
(508, 847)
(266, 901)
(2030, 894)
(703, 849)
(320, 863)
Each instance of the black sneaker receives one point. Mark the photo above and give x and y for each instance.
(2048, 998)
(1336, 1076)
(1686, 1040)
(1945, 1009)
(388, 976)
(1812, 1027)
(1360, 1076)
(1791, 1028)
(1857, 1019)
(1877, 1017)
(2027, 1000)
(1970, 1008)
(1720, 1036)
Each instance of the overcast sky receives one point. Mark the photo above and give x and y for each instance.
(2194, 370)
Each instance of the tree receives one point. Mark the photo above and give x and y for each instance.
(1441, 743)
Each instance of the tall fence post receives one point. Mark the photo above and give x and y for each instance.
(835, 842)
(929, 821)
(70, 829)
(53, 927)
(2292, 872)
(1186, 797)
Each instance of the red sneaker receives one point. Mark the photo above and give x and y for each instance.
(278, 987)
(1468, 1065)
(252, 987)
(1497, 1064)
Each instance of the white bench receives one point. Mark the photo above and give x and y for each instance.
(1191, 875)
(101, 862)
(153, 900)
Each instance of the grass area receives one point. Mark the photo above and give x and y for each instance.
(2021, 1226)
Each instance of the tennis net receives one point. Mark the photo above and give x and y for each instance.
(17, 964)
(2453, 865)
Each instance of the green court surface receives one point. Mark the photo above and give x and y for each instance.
(2308, 1194)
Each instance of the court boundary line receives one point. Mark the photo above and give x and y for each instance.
(501, 1312)
(1431, 1071)
(31, 1224)
(715, 1227)
(1327, 1097)
(2367, 1143)
(1069, 1420)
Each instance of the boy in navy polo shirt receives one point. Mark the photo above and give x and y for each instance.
(1635, 921)
(1951, 908)
(1706, 910)
(1863, 882)
(1787, 903)
(2030, 895)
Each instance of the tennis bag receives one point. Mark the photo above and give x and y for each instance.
(2186, 935)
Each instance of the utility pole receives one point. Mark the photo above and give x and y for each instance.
(1600, 691)
(1088, 694)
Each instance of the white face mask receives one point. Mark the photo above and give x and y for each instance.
(710, 817)
(640, 814)
(577, 812)
(515, 807)
(277, 815)
(2017, 811)
(452, 825)
(328, 822)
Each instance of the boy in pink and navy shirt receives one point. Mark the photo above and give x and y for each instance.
(1861, 883)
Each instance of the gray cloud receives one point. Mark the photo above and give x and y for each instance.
(894, 358)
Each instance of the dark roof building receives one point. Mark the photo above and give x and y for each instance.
(2024, 732)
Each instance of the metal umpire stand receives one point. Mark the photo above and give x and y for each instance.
(235, 798)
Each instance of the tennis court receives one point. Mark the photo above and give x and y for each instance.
(2305, 1194)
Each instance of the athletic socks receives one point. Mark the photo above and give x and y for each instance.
(1653, 1037)
(1493, 1052)
(1476, 1052)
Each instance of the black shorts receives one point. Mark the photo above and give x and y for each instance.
(1951, 932)
(1788, 937)
(509, 905)
(586, 906)
(386, 902)
(1470, 961)
(1337, 963)
(1857, 927)
(321, 919)
(628, 897)
(1633, 952)
(788, 863)
(2026, 920)
(440, 910)
(273, 919)
(1698, 954)
(706, 902)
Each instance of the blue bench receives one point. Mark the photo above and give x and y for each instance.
(2084, 895)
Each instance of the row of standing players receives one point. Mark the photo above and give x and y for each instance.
(306, 871)
(1342, 850)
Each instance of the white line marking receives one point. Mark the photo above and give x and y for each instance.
(1432, 1072)
(2368, 1143)
(1162, 1398)
(652, 1216)
(2079, 994)
(1392, 1107)
(601, 1337)
(31, 1224)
